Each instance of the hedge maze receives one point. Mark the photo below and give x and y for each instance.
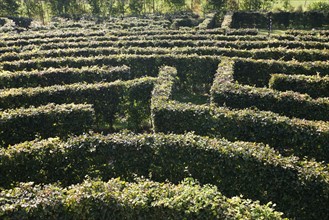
(140, 119)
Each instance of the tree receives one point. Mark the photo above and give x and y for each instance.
(136, 6)
(59, 7)
(175, 4)
(217, 4)
(9, 8)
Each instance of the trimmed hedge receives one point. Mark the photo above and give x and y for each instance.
(61, 76)
(299, 188)
(256, 44)
(315, 86)
(107, 98)
(209, 22)
(297, 136)
(53, 34)
(195, 72)
(23, 124)
(310, 19)
(117, 199)
(225, 91)
(307, 33)
(258, 72)
(262, 53)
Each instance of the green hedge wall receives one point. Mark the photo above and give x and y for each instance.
(60, 76)
(195, 72)
(297, 136)
(300, 188)
(117, 199)
(260, 53)
(225, 91)
(171, 41)
(315, 86)
(107, 98)
(258, 72)
(309, 19)
(23, 124)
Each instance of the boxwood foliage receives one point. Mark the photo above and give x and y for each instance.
(107, 97)
(290, 136)
(117, 199)
(226, 91)
(299, 187)
(315, 86)
(260, 53)
(195, 72)
(166, 41)
(23, 124)
(258, 72)
(65, 75)
(280, 19)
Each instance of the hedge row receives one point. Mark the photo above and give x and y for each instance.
(53, 34)
(65, 75)
(302, 38)
(225, 91)
(264, 53)
(300, 188)
(282, 19)
(195, 72)
(149, 34)
(315, 86)
(117, 199)
(44, 41)
(177, 43)
(300, 137)
(312, 33)
(209, 22)
(107, 98)
(23, 124)
(258, 72)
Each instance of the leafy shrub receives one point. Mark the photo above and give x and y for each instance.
(225, 91)
(290, 136)
(314, 86)
(254, 170)
(105, 97)
(50, 120)
(117, 199)
(58, 76)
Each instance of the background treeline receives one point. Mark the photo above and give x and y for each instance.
(45, 9)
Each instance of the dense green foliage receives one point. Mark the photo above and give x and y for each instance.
(160, 73)
(314, 86)
(106, 97)
(297, 136)
(22, 124)
(57, 76)
(254, 19)
(117, 199)
(225, 91)
(254, 170)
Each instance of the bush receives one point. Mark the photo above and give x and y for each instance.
(21, 21)
(195, 72)
(290, 136)
(105, 97)
(45, 121)
(117, 199)
(309, 19)
(225, 91)
(258, 72)
(61, 76)
(315, 86)
(253, 170)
